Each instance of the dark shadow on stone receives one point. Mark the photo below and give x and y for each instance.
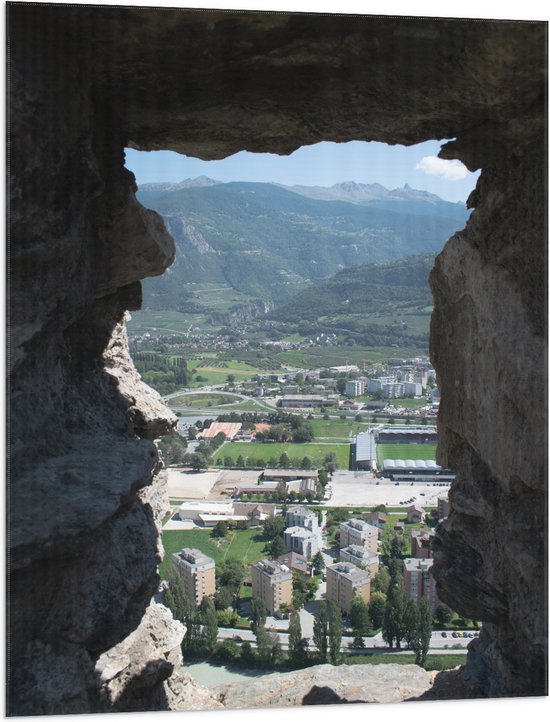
(325, 695)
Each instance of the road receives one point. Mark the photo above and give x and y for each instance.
(373, 645)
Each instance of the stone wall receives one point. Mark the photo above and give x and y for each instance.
(84, 496)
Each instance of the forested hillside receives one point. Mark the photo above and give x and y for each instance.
(262, 241)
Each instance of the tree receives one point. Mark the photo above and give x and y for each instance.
(221, 529)
(223, 598)
(174, 597)
(410, 624)
(228, 651)
(377, 609)
(268, 647)
(297, 645)
(334, 633)
(318, 563)
(320, 631)
(443, 614)
(306, 463)
(230, 573)
(273, 526)
(209, 622)
(424, 631)
(247, 653)
(381, 581)
(231, 379)
(258, 613)
(284, 461)
(240, 462)
(392, 629)
(277, 547)
(360, 618)
(395, 548)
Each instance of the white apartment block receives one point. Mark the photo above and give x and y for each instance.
(272, 583)
(361, 557)
(300, 516)
(302, 541)
(360, 533)
(197, 572)
(354, 388)
(412, 388)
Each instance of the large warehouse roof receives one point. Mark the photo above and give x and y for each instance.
(366, 447)
(406, 431)
(410, 464)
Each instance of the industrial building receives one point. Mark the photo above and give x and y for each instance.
(416, 470)
(365, 451)
(407, 435)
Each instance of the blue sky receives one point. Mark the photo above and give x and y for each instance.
(323, 164)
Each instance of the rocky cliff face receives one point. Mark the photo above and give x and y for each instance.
(84, 497)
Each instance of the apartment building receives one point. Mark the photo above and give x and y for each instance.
(354, 388)
(360, 533)
(272, 583)
(198, 573)
(302, 541)
(361, 557)
(300, 516)
(419, 582)
(346, 581)
(421, 543)
(376, 518)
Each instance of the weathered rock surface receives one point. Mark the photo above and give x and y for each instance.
(325, 684)
(84, 500)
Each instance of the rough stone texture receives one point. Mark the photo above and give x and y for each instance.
(325, 684)
(83, 500)
(131, 673)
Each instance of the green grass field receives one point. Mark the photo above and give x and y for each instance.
(265, 451)
(337, 428)
(405, 451)
(200, 400)
(246, 545)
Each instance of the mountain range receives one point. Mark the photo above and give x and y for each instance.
(268, 242)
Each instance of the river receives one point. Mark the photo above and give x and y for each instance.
(209, 675)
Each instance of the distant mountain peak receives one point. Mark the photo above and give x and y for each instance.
(200, 182)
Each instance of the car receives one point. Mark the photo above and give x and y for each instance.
(444, 635)
(454, 634)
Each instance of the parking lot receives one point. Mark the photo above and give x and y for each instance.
(362, 488)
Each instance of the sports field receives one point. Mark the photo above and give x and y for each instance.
(405, 451)
(270, 452)
(246, 545)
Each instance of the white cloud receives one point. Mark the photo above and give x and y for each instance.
(447, 169)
